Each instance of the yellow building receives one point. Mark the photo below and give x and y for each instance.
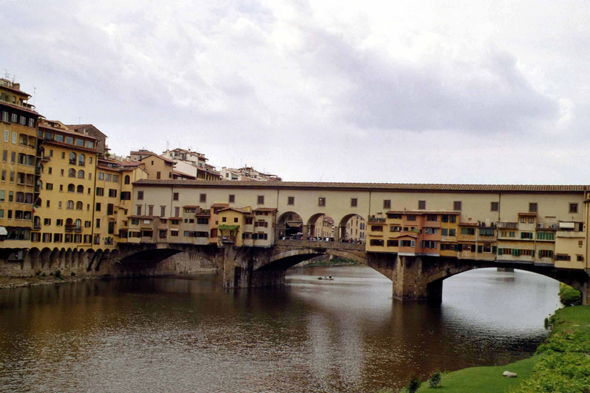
(19, 177)
(232, 225)
(65, 214)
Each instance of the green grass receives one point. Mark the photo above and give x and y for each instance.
(561, 365)
(334, 262)
(484, 379)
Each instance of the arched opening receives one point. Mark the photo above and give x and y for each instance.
(127, 179)
(79, 205)
(80, 189)
(80, 174)
(81, 160)
(289, 226)
(321, 227)
(73, 158)
(352, 229)
(71, 172)
(70, 205)
(71, 188)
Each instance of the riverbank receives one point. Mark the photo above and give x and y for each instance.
(20, 282)
(333, 262)
(560, 365)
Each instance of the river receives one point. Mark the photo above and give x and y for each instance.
(189, 335)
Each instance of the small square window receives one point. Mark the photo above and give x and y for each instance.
(421, 205)
(495, 207)
(457, 206)
(290, 200)
(232, 199)
(387, 203)
(533, 208)
(261, 199)
(573, 207)
(321, 201)
(353, 202)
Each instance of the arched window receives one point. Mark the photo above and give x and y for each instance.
(69, 204)
(71, 172)
(37, 222)
(80, 189)
(80, 173)
(78, 224)
(81, 160)
(71, 188)
(127, 179)
(73, 158)
(79, 205)
(69, 221)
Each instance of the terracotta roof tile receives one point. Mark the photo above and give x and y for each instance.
(479, 188)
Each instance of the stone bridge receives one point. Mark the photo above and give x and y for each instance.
(413, 277)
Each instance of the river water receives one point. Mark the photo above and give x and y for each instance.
(189, 335)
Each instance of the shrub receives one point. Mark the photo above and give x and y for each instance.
(435, 379)
(569, 296)
(414, 385)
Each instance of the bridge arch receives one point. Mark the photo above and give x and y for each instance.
(289, 224)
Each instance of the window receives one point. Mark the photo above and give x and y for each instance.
(260, 199)
(176, 211)
(98, 222)
(526, 235)
(81, 160)
(531, 220)
(545, 254)
(533, 207)
(100, 176)
(393, 243)
(108, 177)
(125, 195)
(139, 195)
(138, 210)
(6, 135)
(411, 217)
(457, 206)
(14, 136)
(495, 206)
(69, 204)
(127, 179)
(562, 257)
(431, 217)
(573, 207)
(421, 205)
(71, 188)
(321, 201)
(80, 189)
(158, 175)
(232, 199)
(223, 219)
(376, 242)
(99, 191)
(353, 202)
(112, 193)
(150, 210)
(13, 157)
(377, 228)
(580, 258)
(468, 231)
(202, 198)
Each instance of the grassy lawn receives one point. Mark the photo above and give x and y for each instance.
(561, 365)
(484, 379)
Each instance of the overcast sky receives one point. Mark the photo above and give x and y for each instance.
(365, 91)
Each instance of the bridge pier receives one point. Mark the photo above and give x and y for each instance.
(410, 283)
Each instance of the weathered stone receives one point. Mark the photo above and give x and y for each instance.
(509, 374)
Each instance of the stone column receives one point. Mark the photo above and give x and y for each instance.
(410, 283)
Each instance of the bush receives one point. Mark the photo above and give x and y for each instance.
(569, 296)
(414, 385)
(435, 379)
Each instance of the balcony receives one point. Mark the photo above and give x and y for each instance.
(507, 225)
(376, 219)
(37, 227)
(228, 239)
(70, 228)
(78, 229)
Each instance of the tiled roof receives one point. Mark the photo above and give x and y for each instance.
(528, 214)
(266, 209)
(468, 224)
(423, 212)
(478, 188)
(220, 204)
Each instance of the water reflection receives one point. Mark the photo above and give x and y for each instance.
(178, 335)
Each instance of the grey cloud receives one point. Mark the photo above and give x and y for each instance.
(489, 95)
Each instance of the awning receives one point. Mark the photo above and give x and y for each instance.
(566, 225)
(229, 227)
(3, 231)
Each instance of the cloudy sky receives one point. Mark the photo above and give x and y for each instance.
(368, 91)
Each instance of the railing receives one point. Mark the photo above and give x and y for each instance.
(37, 227)
(508, 225)
(78, 230)
(70, 228)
